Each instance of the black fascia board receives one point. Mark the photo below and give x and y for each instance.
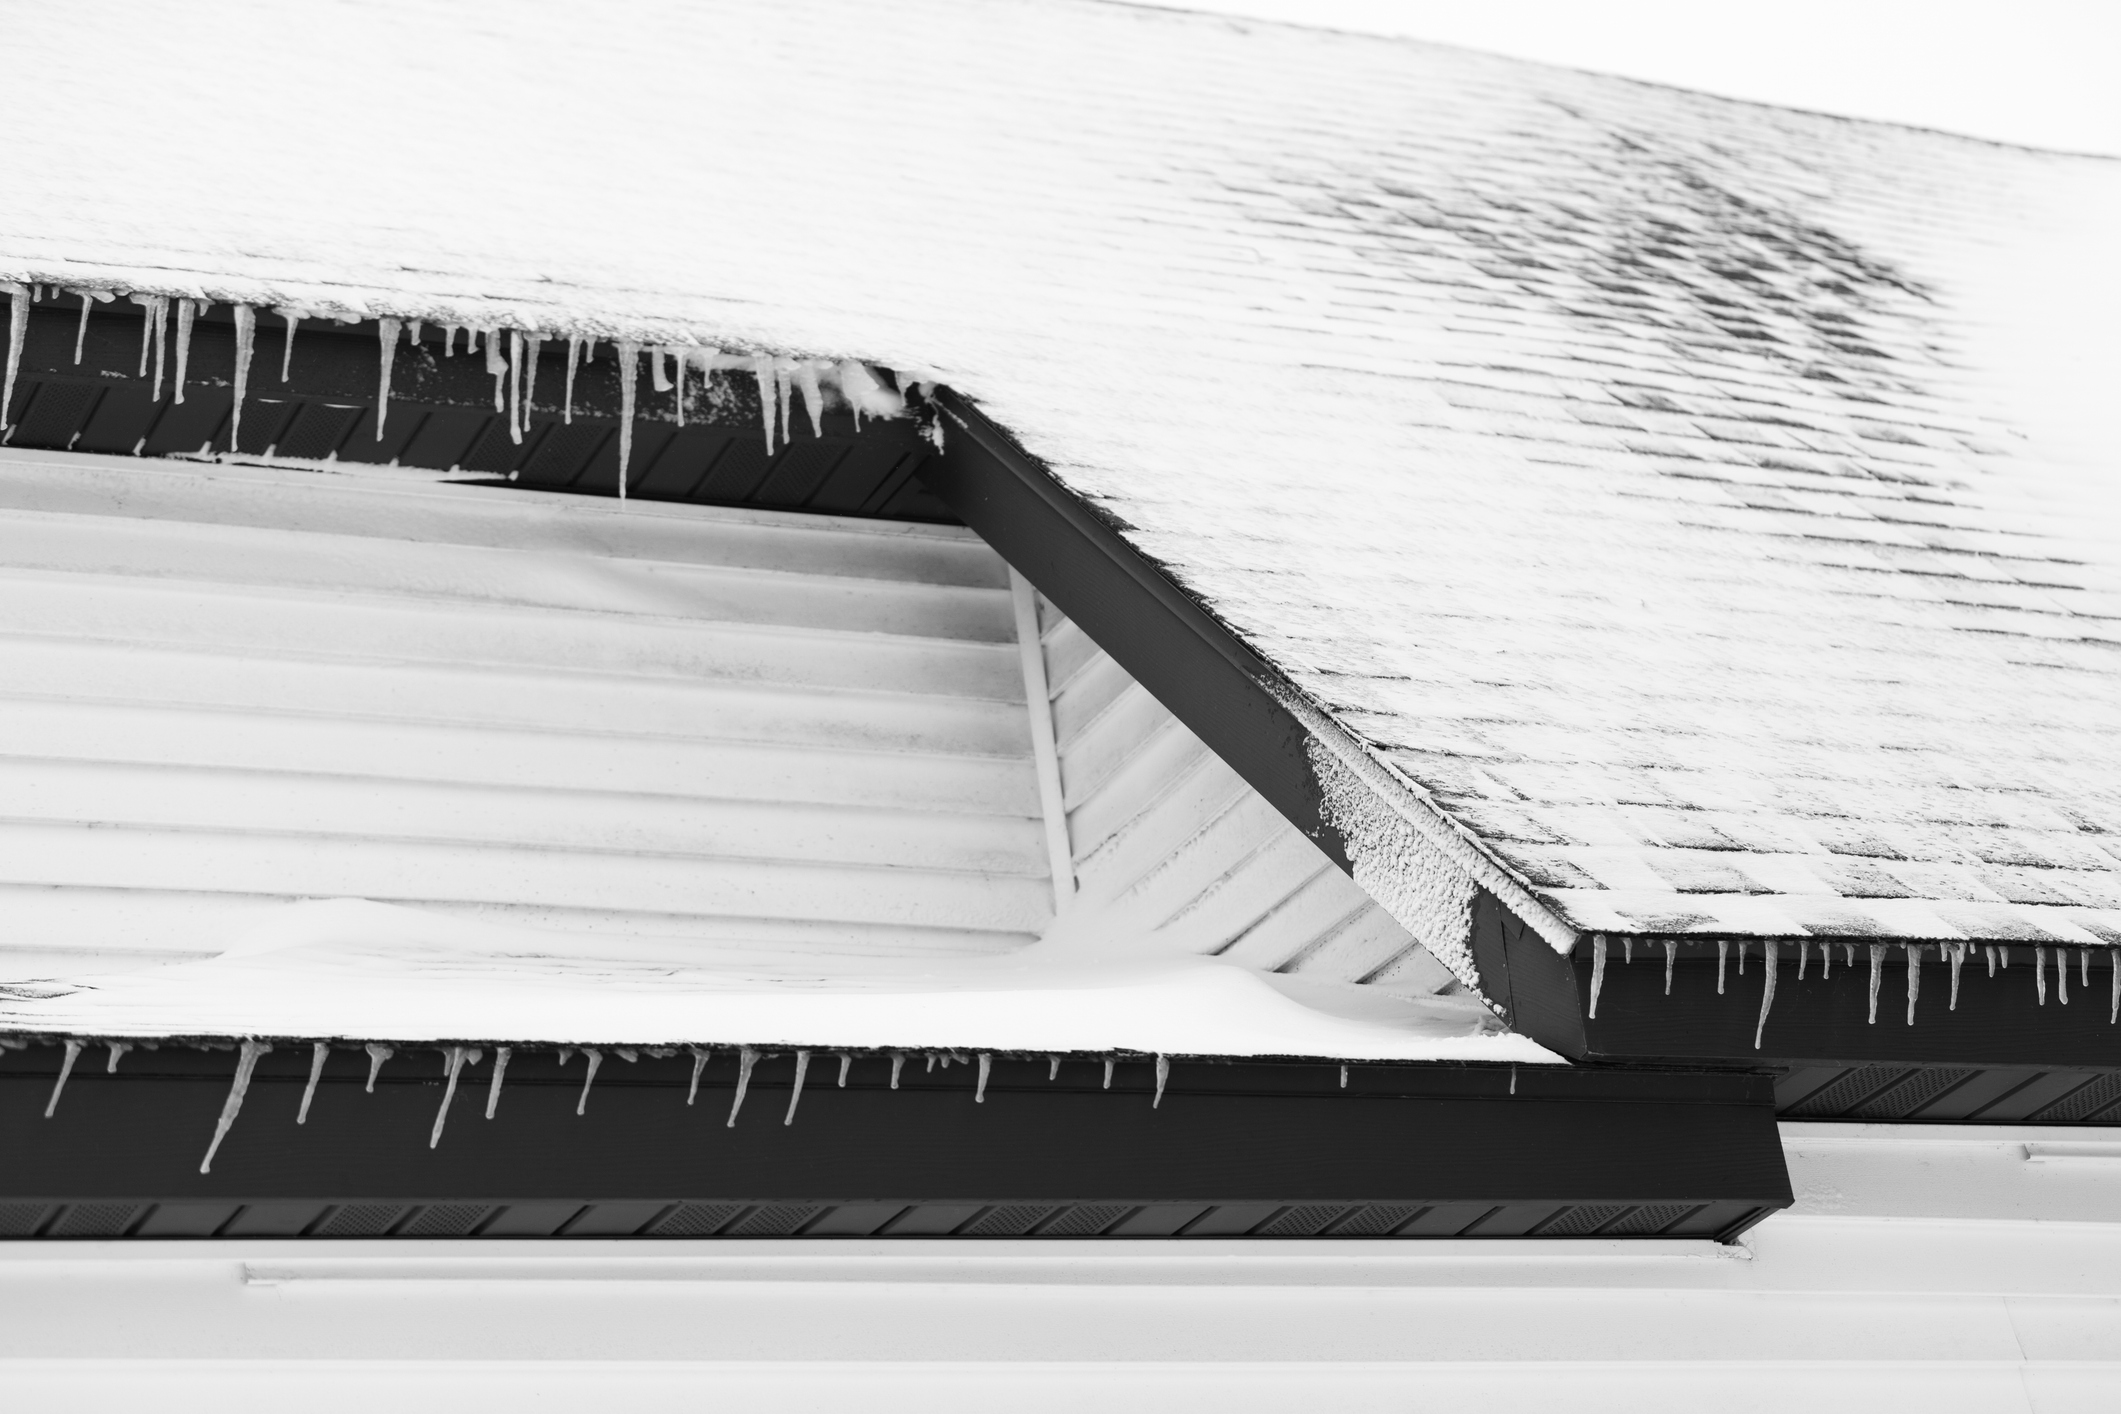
(1228, 1149)
(1190, 661)
(1712, 1014)
(441, 415)
(1999, 1020)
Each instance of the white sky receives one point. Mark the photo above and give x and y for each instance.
(2042, 72)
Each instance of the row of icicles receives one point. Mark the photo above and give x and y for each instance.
(456, 1058)
(1955, 954)
(511, 357)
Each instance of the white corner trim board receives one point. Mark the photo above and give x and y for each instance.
(1038, 703)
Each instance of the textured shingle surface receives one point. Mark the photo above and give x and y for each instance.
(1710, 506)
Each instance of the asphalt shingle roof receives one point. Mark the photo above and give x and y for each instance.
(1709, 507)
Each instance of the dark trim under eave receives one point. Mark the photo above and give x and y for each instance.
(1188, 659)
(1011, 1147)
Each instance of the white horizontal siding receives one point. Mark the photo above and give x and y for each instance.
(1162, 830)
(221, 688)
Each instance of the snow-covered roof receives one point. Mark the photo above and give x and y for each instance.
(1709, 508)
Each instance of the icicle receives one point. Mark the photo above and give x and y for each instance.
(497, 365)
(2062, 975)
(865, 394)
(493, 1086)
(699, 1063)
(88, 302)
(813, 397)
(187, 311)
(783, 395)
(1108, 1072)
(1877, 964)
(2084, 967)
(376, 1056)
(117, 1049)
(1343, 1077)
(627, 353)
(762, 369)
(1990, 950)
(1826, 962)
(574, 356)
(745, 1059)
(1958, 956)
(2040, 971)
(246, 1062)
(1163, 1074)
(1767, 989)
(17, 329)
(1513, 1080)
(2003, 953)
(846, 1064)
(66, 1068)
(532, 343)
(2114, 1012)
(387, 346)
(566, 1055)
(471, 341)
(1848, 954)
(1627, 950)
(1597, 969)
(795, 1094)
(287, 346)
(449, 1093)
(449, 339)
(147, 329)
(246, 329)
(1671, 960)
(1741, 959)
(1914, 977)
(657, 378)
(317, 1052)
(412, 332)
(679, 358)
(514, 380)
(979, 1091)
(898, 1063)
(161, 317)
(1053, 1066)
(1723, 957)
(596, 1058)
(1804, 955)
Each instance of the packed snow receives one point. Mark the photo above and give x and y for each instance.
(352, 970)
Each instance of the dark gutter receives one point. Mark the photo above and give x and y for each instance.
(1231, 1149)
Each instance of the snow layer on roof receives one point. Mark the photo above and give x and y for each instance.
(348, 969)
(1709, 507)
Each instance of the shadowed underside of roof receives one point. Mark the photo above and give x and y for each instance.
(1704, 506)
